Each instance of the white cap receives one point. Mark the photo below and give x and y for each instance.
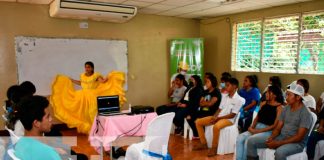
(296, 89)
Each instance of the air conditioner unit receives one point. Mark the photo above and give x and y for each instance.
(98, 11)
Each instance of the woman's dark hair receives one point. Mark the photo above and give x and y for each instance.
(198, 81)
(182, 78)
(28, 88)
(31, 108)
(233, 81)
(14, 94)
(213, 80)
(89, 63)
(275, 81)
(226, 76)
(208, 74)
(304, 83)
(253, 79)
(277, 91)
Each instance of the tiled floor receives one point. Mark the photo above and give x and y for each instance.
(180, 149)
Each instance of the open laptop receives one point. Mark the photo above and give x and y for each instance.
(108, 105)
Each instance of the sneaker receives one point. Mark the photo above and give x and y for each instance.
(178, 131)
(212, 152)
(200, 147)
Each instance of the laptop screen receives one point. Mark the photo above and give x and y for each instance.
(108, 104)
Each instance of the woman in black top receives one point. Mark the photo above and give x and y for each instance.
(209, 103)
(265, 121)
(189, 103)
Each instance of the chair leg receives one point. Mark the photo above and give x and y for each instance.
(190, 134)
(185, 128)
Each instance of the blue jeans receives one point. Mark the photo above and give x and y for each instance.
(241, 141)
(281, 153)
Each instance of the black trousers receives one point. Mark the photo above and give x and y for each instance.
(180, 114)
(245, 122)
(165, 109)
(194, 117)
(312, 141)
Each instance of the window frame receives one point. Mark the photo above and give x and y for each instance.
(262, 20)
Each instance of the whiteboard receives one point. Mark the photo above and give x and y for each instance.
(39, 60)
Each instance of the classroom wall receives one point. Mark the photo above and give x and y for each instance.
(217, 34)
(147, 37)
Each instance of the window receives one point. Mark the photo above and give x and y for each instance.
(311, 56)
(247, 46)
(292, 44)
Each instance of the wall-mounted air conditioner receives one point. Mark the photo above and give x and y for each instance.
(98, 11)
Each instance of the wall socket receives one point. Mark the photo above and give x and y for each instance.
(84, 25)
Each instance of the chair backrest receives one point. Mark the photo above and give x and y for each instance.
(237, 117)
(11, 153)
(4, 117)
(314, 116)
(158, 133)
(14, 138)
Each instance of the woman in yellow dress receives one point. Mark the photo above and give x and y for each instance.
(78, 108)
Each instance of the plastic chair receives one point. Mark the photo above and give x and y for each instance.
(268, 154)
(11, 153)
(14, 138)
(227, 137)
(155, 145)
(186, 129)
(319, 150)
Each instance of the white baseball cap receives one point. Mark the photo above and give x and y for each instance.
(296, 89)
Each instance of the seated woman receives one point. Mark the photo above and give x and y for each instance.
(265, 121)
(78, 108)
(209, 103)
(176, 92)
(189, 103)
(251, 94)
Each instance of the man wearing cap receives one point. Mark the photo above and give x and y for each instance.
(183, 68)
(290, 135)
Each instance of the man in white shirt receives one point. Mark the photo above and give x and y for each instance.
(308, 100)
(228, 109)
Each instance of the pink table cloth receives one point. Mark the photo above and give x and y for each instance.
(106, 129)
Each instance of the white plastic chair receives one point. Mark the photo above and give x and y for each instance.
(156, 139)
(268, 154)
(14, 138)
(319, 150)
(11, 153)
(186, 129)
(227, 137)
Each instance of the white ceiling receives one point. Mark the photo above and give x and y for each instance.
(189, 8)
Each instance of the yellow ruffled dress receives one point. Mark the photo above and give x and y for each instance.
(78, 108)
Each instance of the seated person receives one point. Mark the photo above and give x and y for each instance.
(228, 108)
(264, 122)
(36, 120)
(308, 99)
(209, 103)
(317, 135)
(290, 134)
(273, 81)
(207, 74)
(176, 92)
(251, 94)
(225, 77)
(320, 103)
(189, 103)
